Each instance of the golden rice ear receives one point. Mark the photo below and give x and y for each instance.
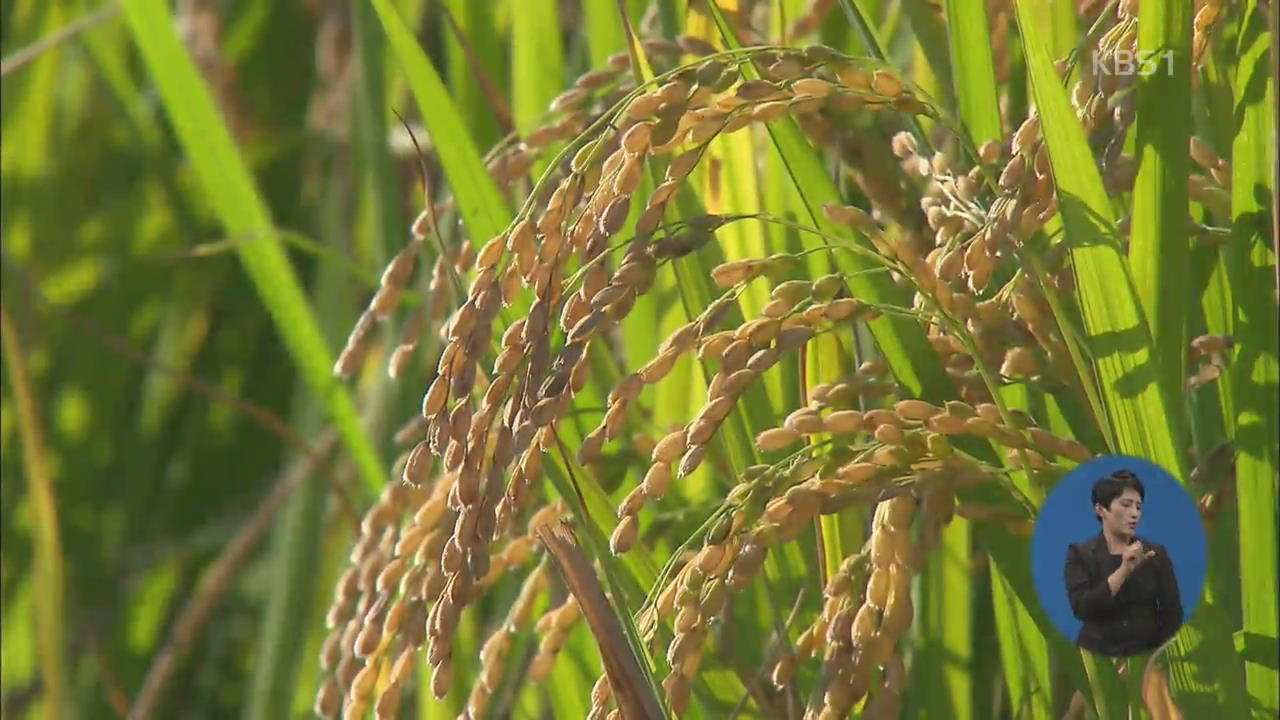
(582, 261)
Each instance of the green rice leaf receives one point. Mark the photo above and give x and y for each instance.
(1065, 25)
(1117, 337)
(484, 211)
(1116, 332)
(930, 30)
(537, 65)
(946, 665)
(974, 69)
(1253, 374)
(1027, 670)
(475, 22)
(1158, 249)
(235, 200)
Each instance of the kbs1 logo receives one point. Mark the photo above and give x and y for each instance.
(1126, 63)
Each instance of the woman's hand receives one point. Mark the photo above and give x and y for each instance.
(1134, 556)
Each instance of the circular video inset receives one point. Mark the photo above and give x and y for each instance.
(1118, 556)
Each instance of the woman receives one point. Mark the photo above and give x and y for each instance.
(1121, 586)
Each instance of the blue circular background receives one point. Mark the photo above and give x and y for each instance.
(1169, 517)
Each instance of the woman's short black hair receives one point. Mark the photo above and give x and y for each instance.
(1107, 489)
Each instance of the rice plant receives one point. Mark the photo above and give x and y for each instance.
(730, 353)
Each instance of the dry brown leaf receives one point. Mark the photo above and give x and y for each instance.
(635, 697)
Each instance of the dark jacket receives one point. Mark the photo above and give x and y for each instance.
(1141, 616)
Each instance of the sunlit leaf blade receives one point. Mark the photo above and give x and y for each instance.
(537, 64)
(973, 69)
(1064, 21)
(1119, 341)
(1117, 333)
(484, 211)
(1250, 263)
(1107, 689)
(289, 635)
(1027, 670)
(475, 23)
(242, 213)
(928, 25)
(947, 642)
(537, 61)
(1158, 248)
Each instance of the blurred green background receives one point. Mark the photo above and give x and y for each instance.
(166, 407)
